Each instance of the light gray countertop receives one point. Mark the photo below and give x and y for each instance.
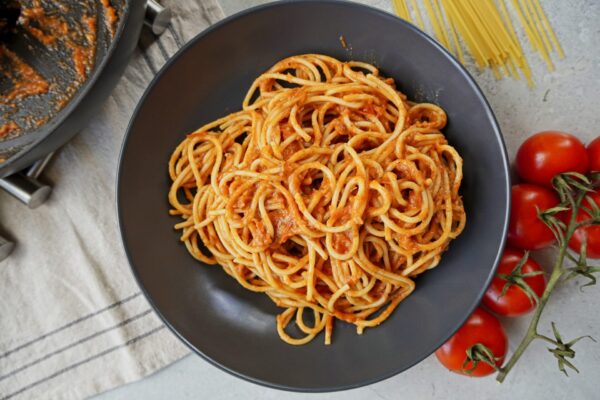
(567, 99)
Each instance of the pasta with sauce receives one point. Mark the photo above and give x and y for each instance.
(329, 192)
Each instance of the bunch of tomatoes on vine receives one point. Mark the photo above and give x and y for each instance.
(556, 203)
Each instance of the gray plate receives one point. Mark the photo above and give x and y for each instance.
(234, 328)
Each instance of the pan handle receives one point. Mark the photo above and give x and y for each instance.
(157, 17)
(25, 187)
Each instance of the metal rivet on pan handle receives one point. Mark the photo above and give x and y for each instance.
(157, 17)
(25, 187)
(6, 247)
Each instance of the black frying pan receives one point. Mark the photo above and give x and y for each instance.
(47, 120)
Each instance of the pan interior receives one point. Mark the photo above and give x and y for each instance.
(47, 59)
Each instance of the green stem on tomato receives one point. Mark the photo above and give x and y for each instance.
(557, 273)
(547, 339)
(532, 330)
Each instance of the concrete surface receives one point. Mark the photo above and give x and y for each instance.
(567, 99)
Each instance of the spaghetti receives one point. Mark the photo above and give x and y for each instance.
(329, 192)
(487, 31)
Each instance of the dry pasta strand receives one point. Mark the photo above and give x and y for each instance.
(487, 31)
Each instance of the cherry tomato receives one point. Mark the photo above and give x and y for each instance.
(548, 153)
(481, 327)
(593, 150)
(526, 231)
(515, 301)
(589, 233)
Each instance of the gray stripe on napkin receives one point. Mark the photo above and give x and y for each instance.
(70, 324)
(78, 342)
(82, 362)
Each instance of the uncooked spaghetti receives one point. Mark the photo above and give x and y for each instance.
(487, 31)
(329, 192)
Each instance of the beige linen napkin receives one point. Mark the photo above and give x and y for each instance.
(73, 322)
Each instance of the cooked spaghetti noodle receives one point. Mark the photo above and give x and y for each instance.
(329, 192)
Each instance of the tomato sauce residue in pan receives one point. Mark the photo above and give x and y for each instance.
(110, 16)
(26, 81)
(51, 29)
(45, 28)
(83, 56)
(62, 32)
(7, 128)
